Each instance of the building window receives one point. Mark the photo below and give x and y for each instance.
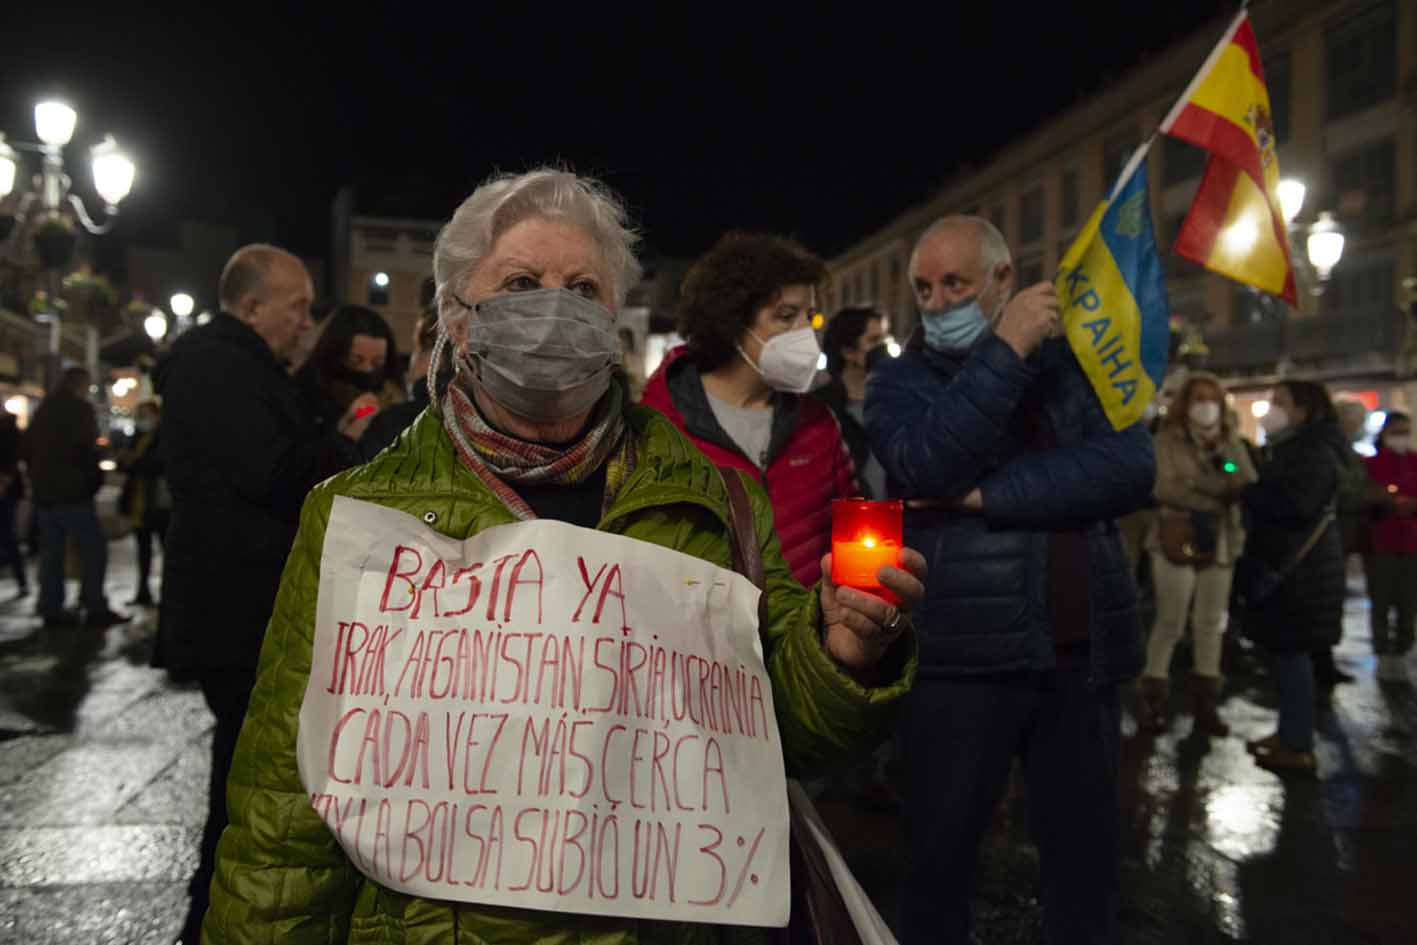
(1361, 290)
(1364, 184)
(1070, 198)
(1276, 79)
(1362, 59)
(875, 295)
(1030, 215)
(379, 288)
(1181, 161)
(1117, 148)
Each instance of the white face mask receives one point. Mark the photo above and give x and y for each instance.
(1205, 414)
(787, 362)
(1398, 444)
(1276, 421)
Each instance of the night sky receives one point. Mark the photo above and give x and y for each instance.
(706, 118)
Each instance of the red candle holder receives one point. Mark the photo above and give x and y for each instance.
(866, 536)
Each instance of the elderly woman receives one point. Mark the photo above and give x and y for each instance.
(536, 423)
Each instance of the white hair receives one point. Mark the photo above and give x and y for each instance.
(993, 248)
(504, 200)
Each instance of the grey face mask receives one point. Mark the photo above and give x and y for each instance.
(544, 355)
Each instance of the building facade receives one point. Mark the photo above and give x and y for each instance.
(381, 263)
(1342, 79)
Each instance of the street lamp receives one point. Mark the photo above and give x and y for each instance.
(155, 325)
(181, 304)
(46, 209)
(1325, 246)
(1291, 198)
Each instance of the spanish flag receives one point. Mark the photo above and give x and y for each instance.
(1113, 299)
(1234, 226)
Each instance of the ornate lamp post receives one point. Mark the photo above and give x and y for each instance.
(45, 211)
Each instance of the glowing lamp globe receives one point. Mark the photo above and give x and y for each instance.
(155, 325)
(1325, 244)
(1291, 198)
(113, 172)
(9, 164)
(54, 123)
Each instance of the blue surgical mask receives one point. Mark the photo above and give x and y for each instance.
(956, 327)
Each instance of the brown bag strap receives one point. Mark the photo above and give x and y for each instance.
(743, 536)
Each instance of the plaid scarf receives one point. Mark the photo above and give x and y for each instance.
(498, 459)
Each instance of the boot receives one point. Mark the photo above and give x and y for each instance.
(1207, 697)
(1153, 695)
(1282, 759)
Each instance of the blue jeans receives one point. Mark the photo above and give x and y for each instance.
(1294, 677)
(57, 524)
(961, 737)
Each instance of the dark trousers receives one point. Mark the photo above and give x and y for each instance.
(228, 692)
(57, 524)
(9, 544)
(962, 736)
(156, 526)
(1294, 678)
(1392, 586)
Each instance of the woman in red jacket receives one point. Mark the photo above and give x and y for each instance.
(735, 388)
(1392, 563)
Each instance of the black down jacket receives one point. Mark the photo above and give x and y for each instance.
(1298, 481)
(241, 451)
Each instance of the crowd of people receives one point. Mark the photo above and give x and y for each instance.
(1013, 617)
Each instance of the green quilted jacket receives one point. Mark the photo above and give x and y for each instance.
(282, 877)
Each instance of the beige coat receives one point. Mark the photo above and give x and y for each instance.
(1186, 481)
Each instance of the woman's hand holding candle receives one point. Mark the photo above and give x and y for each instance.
(858, 627)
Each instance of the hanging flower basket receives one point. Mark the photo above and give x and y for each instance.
(54, 242)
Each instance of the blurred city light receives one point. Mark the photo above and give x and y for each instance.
(1325, 244)
(1240, 236)
(381, 279)
(892, 347)
(1259, 408)
(181, 304)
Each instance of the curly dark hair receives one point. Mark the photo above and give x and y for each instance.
(726, 287)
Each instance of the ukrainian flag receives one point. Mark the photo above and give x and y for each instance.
(1113, 299)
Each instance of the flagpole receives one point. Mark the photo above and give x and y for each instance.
(1130, 167)
(1204, 70)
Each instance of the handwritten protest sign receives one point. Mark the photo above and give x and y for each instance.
(547, 717)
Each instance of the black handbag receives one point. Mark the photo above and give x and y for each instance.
(1255, 581)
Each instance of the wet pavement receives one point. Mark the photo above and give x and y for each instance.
(103, 767)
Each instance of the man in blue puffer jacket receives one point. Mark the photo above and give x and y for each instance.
(987, 425)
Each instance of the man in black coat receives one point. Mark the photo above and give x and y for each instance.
(61, 450)
(989, 428)
(241, 451)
